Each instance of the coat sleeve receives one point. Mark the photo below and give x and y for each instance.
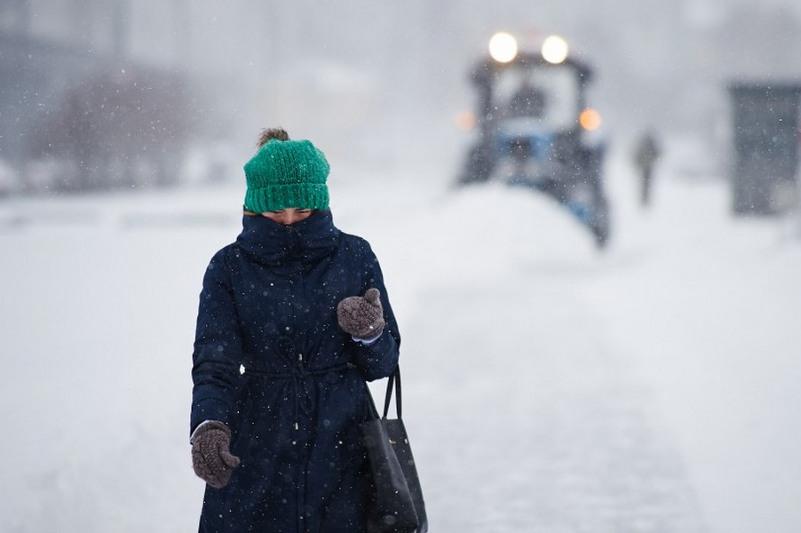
(217, 351)
(378, 359)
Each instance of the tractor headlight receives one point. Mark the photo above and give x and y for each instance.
(590, 119)
(590, 122)
(503, 47)
(554, 49)
(465, 120)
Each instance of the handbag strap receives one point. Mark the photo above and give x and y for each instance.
(395, 379)
(370, 404)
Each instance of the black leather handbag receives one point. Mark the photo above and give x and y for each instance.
(396, 500)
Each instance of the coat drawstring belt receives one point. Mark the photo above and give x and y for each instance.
(302, 395)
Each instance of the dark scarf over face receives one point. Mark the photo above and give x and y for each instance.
(275, 244)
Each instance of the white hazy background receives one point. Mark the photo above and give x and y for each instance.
(550, 388)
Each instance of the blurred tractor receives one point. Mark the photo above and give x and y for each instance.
(535, 129)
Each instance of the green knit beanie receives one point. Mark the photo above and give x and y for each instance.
(286, 174)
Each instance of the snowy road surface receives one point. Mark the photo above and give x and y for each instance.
(543, 430)
(548, 388)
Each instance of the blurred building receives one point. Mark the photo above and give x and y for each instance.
(35, 68)
(74, 96)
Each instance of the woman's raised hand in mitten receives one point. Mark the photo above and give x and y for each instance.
(211, 457)
(362, 316)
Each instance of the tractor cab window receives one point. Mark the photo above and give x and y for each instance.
(546, 97)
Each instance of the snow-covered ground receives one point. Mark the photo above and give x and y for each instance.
(548, 387)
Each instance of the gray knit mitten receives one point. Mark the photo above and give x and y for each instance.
(362, 316)
(211, 457)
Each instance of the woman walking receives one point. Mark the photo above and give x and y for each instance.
(293, 319)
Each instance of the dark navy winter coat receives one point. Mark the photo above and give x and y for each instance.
(268, 303)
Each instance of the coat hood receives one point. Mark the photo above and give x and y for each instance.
(273, 243)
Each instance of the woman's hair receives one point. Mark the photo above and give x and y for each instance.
(266, 135)
(272, 133)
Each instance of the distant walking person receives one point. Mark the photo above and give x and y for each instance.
(646, 155)
(293, 319)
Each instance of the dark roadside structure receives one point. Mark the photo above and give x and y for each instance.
(534, 129)
(765, 120)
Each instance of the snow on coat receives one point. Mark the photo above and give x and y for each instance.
(269, 303)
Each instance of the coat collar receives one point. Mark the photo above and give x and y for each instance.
(272, 243)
